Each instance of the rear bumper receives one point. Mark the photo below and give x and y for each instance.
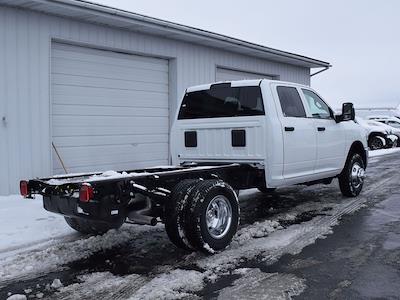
(94, 210)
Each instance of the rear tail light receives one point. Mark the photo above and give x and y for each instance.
(23, 188)
(86, 193)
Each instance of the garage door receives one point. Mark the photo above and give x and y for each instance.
(109, 110)
(228, 74)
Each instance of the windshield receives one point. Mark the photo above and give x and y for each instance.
(222, 100)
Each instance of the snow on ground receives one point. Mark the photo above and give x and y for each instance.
(25, 225)
(177, 284)
(381, 152)
(104, 285)
(54, 257)
(24, 222)
(257, 285)
(266, 240)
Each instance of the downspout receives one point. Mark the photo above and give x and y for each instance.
(320, 71)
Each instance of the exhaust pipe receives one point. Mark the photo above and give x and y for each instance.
(142, 217)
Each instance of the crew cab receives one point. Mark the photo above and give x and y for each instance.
(226, 136)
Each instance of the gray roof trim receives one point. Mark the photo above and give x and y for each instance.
(97, 13)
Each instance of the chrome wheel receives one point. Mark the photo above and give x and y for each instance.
(218, 216)
(357, 175)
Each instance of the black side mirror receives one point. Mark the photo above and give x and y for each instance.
(348, 113)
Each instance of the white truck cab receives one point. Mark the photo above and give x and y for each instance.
(283, 128)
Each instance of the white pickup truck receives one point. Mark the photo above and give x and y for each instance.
(226, 137)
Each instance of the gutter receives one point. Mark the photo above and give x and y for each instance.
(320, 71)
(161, 24)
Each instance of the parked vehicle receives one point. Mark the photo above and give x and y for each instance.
(226, 137)
(391, 121)
(379, 135)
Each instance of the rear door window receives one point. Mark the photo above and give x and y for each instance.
(291, 103)
(222, 100)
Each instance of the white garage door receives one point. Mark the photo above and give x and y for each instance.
(109, 110)
(228, 74)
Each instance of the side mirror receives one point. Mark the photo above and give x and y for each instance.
(348, 113)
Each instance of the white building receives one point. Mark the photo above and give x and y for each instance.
(102, 84)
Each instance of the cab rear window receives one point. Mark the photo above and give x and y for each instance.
(222, 100)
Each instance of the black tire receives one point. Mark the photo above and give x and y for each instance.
(173, 213)
(195, 225)
(376, 142)
(349, 186)
(92, 227)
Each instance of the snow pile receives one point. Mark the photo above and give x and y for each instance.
(17, 297)
(381, 152)
(256, 230)
(58, 255)
(259, 285)
(177, 284)
(56, 284)
(102, 285)
(24, 223)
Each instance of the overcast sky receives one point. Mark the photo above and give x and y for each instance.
(360, 38)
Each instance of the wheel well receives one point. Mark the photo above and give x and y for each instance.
(372, 134)
(358, 147)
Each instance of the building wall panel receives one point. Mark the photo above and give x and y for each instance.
(25, 52)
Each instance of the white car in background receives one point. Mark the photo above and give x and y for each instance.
(379, 135)
(391, 121)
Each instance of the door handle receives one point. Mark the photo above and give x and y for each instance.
(321, 128)
(289, 128)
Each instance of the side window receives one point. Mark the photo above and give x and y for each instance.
(291, 103)
(317, 106)
(394, 124)
(222, 100)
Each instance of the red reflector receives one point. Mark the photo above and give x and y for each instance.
(86, 193)
(23, 188)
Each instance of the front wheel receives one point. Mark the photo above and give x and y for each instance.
(377, 142)
(92, 227)
(351, 180)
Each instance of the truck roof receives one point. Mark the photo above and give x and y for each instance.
(236, 83)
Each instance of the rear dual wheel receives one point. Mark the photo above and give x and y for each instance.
(208, 216)
(174, 213)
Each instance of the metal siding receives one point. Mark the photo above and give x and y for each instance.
(4, 169)
(25, 74)
(224, 74)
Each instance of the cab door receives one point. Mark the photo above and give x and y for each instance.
(331, 136)
(299, 136)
